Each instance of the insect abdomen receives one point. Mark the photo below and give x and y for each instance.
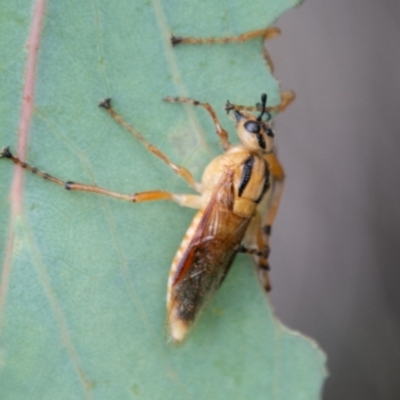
(181, 251)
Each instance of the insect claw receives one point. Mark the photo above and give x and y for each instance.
(228, 107)
(106, 103)
(5, 152)
(175, 40)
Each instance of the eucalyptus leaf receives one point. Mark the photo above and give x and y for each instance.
(84, 311)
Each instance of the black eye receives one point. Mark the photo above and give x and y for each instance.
(270, 132)
(252, 126)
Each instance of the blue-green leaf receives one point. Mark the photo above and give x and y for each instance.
(83, 315)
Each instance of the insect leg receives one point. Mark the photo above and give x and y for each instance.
(268, 33)
(183, 172)
(192, 201)
(276, 189)
(287, 98)
(260, 253)
(262, 261)
(221, 132)
(254, 244)
(278, 177)
(185, 200)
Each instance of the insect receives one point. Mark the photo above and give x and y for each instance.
(237, 203)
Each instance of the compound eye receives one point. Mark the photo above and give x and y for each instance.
(252, 126)
(270, 132)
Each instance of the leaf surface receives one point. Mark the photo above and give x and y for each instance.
(84, 311)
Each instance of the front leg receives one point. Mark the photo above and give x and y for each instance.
(221, 132)
(183, 172)
(274, 199)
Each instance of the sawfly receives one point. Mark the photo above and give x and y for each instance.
(237, 201)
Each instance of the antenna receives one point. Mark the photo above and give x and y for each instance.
(263, 108)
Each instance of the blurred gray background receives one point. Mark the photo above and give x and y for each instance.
(336, 243)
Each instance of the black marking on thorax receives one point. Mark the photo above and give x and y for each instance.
(265, 185)
(246, 174)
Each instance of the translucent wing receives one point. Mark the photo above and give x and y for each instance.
(207, 258)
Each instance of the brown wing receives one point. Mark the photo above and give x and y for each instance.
(208, 256)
